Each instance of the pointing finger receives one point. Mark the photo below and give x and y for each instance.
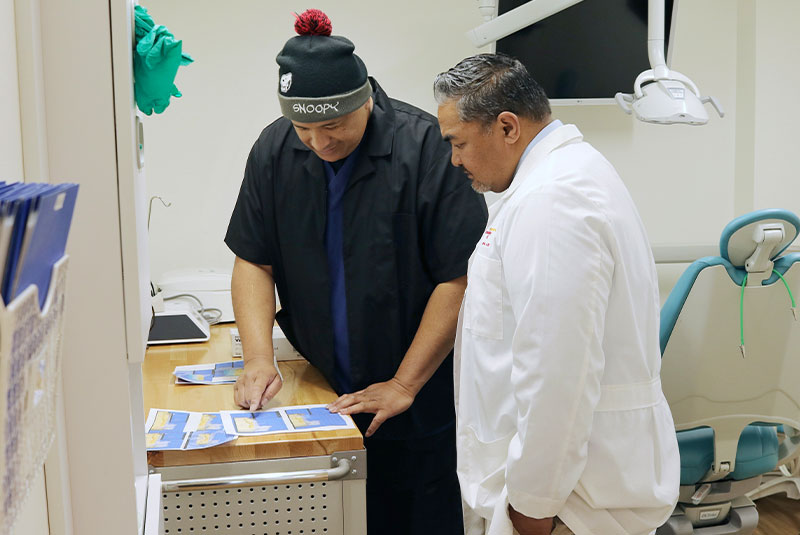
(271, 390)
(254, 392)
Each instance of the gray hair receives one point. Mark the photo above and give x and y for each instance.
(486, 85)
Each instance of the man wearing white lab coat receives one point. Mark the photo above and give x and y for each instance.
(561, 421)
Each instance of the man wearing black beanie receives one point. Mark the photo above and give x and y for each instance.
(350, 208)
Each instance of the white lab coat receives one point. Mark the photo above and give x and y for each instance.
(559, 404)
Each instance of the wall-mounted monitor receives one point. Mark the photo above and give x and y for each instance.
(588, 52)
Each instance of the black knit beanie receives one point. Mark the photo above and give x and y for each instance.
(320, 76)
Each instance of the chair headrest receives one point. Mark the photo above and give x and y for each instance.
(737, 244)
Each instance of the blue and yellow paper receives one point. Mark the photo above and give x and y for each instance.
(210, 432)
(168, 421)
(311, 418)
(255, 423)
(182, 430)
(293, 419)
(166, 430)
(157, 441)
(209, 374)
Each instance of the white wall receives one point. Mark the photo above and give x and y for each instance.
(776, 113)
(196, 150)
(10, 132)
(687, 181)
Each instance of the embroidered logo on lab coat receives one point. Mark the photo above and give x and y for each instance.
(488, 237)
(286, 82)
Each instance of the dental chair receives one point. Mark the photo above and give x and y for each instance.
(730, 344)
(784, 480)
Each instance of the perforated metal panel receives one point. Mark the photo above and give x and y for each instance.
(290, 508)
(295, 509)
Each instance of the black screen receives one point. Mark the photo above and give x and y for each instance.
(177, 327)
(590, 50)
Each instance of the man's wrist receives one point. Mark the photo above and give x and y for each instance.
(270, 359)
(525, 524)
(407, 386)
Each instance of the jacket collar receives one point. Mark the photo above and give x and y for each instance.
(563, 135)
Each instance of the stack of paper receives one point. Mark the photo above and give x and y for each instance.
(219, 373)
(34, 225)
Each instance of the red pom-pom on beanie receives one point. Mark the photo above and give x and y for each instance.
(313, 22)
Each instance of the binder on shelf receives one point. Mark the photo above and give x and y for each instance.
(18, 197)
(7, 211)
(34, 224)
(45, 239)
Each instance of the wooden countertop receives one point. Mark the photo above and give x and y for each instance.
(303, 384)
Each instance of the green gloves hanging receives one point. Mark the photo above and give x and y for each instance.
(156, 58)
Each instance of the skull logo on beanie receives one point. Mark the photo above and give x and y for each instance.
(286, 82)
(321, 78)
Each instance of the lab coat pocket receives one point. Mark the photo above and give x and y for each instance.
(483, 312)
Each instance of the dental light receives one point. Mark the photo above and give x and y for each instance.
(660, 95)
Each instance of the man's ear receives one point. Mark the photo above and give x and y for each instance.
(509, 122)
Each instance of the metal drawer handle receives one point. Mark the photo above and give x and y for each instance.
(273, 478)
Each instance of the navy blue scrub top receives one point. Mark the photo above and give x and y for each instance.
(409, 221)
(337, 183)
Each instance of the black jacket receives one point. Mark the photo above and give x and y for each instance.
(410, 221)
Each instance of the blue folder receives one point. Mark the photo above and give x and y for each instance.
(15, 205)
(44, 238)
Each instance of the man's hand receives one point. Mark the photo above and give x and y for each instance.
(530, 526)
(382, 399)
(258, 384)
